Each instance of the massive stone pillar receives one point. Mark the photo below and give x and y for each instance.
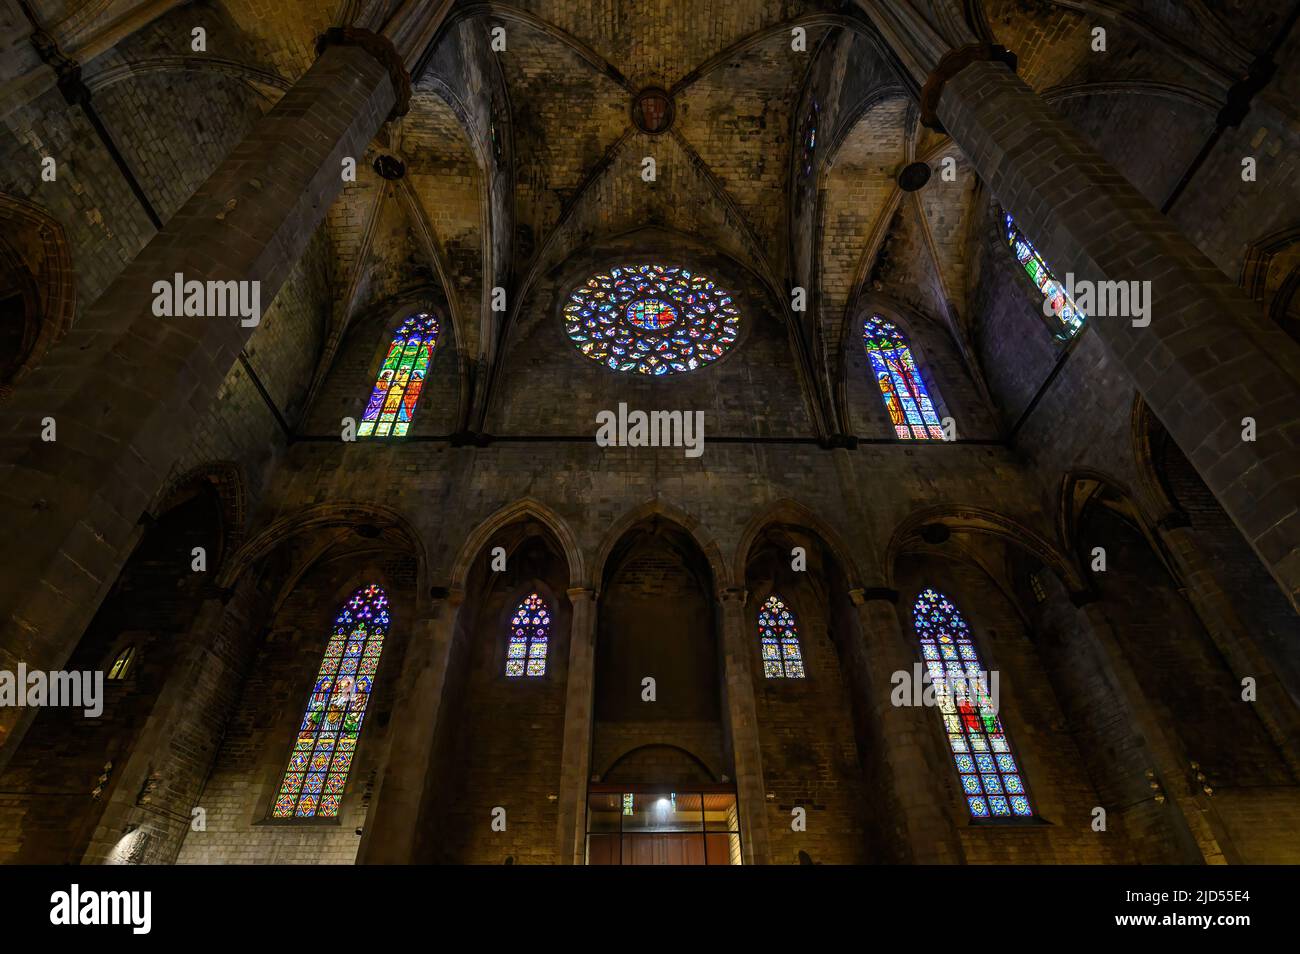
(152, 804)
(1203, 357)
(1182, 820)
(1207, 360)
(742, 723)
(911, 752)
(579, 703)
(390, 833)
(1243, 656)
(124, 386)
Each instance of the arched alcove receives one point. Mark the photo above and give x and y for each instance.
(813, 733)
(659, 705)
(657, 621)
(502, 739)
(1170, 651)
(37, 295)
(150, 610)
(980, 562)
(1267, 615)
(286, 591)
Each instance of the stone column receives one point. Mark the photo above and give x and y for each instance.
(1203, 357)
(910, 735)
(1188, 821)
(160, 783)
(396, 810)
(124, 387)
(1275, 706)
(579, 712)
(742, 721)
(1207, 359)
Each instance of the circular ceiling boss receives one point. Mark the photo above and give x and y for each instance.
(652, 111)
(651, 319)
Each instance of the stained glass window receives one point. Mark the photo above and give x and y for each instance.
(392, 402)
(327, 736)
(1063, 305)
(782, 658)
(904, 393)
(990, 778)
(810, 137)
(651, 319)
(529, 629)
(122, 664)
(1040, 593)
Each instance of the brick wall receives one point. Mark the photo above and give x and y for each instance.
(549, 387)
(809, 751)
(505, 734)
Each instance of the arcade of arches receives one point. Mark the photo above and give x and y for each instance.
(925, 556)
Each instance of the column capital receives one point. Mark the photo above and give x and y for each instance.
(577, 593)
(382, 49)
(1174, 520)
(441, 597)
(952, 63)
(733, 594)
(65, 68)
(868, 594)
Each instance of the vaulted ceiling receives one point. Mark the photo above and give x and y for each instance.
(517, 158)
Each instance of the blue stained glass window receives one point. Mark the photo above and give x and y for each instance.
(1063, 306)
(991, 778)
(782, 656)
(810, 137)
(651, 319)
(530, 630)
(905, 395)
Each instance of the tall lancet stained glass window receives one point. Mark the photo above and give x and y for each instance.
(905, 395)
(1062, 305)
(990, 777)
(327, 736)
(530, 629)
(392, 403)
(782, 657)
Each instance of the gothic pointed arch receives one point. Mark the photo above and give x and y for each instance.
(368, 520)
(226, 480)
(38, 296)
(521, 511)
(938, 523)
(790, 511)
(650, 512)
